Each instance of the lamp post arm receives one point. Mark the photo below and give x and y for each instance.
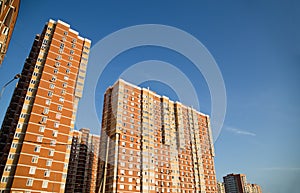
(17, 76)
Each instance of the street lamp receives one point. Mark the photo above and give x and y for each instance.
(17, 76)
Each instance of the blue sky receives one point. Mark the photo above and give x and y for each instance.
(256, 45)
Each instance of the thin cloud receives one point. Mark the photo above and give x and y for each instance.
(281, 169)
(240, 132)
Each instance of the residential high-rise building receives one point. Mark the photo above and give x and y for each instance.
(152, 144)
(235, 183)
(256, 188)
(95, 139)
(253, 188)
(83, 163)
(220, 187)
(35, 137)
(8, 15)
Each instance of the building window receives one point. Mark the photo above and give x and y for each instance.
(4, 179)
(42, 128)
(54, 133)
(65, 84)
(57, 64)
(51, 86)
(50, 94)
(52, 142)
(5, 30)
(68, 71)
(43, 120)
(11, 156)
(47, 102)
(51, 152)
(58, 57)
(37, 148)
(32, 170)
(45, 184)
(46, 111)
(39, 138)
(56, 124)
(14, 145)
(17, 135)
(66, 77)
(45, 41)
(29, 182)
(27, 98)
(61, 99)
(55, 71)
(49, 162)
(64, 176)
(69, 64)
(47, 173)
(7, 168)
(59, 107)
(34, 159)
(53, 79)
(58, 116)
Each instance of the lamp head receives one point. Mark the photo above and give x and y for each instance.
(17, 76)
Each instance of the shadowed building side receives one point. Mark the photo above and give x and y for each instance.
(83, 163)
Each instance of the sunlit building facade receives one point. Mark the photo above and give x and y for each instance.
(220, 187)
(253, 188)
(36, 134)
(8, 16)
(152, 144)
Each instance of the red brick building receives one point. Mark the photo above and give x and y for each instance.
(8, 16)
(83, 163)
(36, 134)
(152, 144)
